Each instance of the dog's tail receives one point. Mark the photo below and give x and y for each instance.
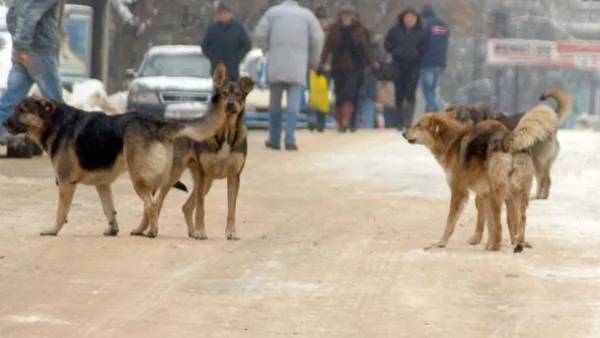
(536, 125)
(563, 102)
(179, 185)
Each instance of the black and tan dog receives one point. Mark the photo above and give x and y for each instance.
(221, 156)
(543, 153)
(93, 148)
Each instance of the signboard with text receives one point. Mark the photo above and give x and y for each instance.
(522, 52)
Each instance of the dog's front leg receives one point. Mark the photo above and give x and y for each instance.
(457, 204)
(106, 198)
(65, 197)
(199, 227)
(233, 188)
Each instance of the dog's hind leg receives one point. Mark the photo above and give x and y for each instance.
(105, 194)
(65, 197)
(478, 234)
(512, 219)
(199, 226)
(150, 211)
(457, 204)
(190, 204)
(493, 213)
(522, 203)
(188, 211)
(233, 189)
(545, 183)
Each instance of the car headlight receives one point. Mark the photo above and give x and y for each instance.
(144, 98)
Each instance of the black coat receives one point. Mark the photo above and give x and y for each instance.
(227, 43)
(406, 46)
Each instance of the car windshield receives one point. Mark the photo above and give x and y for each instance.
(176, 65)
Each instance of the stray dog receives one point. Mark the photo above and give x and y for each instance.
(489, 160)
(221, 156)
(543, 153)
(93, 148)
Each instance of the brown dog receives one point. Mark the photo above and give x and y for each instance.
(543, 153)
(221, 156)
(489, 160)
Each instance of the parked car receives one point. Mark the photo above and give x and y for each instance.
(172, 81)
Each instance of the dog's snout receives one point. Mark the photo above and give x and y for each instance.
(5, 123)
(404, 134)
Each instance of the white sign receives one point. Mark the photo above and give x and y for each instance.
(522, 52)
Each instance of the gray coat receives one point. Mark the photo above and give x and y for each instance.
(292, 38)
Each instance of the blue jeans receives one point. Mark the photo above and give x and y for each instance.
(42, 70)
(367, 113)
(294, 96)
(429, 82)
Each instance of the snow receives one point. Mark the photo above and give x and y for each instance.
(119, 101)
(571, 214)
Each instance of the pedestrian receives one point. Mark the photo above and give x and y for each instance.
(226, 41)
(292, 38)
(34, 29)
(316, 119)
(368, 90)
(348, 46)
(406, 42)
(434, 58)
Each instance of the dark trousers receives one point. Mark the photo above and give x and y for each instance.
(405, 87)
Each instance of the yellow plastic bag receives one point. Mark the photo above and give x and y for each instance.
(318, 94)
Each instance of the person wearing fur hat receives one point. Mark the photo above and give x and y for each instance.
(406, 42)
(347, 45)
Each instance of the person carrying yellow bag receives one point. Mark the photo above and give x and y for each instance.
(318, 101)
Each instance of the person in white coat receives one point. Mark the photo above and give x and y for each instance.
(292, 38)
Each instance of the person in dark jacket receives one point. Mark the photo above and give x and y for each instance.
(348, 45)
(226, 41)
(406, 42)
(434, 59)
(34, 28)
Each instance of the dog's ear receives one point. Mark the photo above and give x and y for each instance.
(47, 106)
(246, 84)
(436, 126)
(220, 76)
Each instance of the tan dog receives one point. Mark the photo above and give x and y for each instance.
(489, 160)
(543, 153)
(221, 156)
